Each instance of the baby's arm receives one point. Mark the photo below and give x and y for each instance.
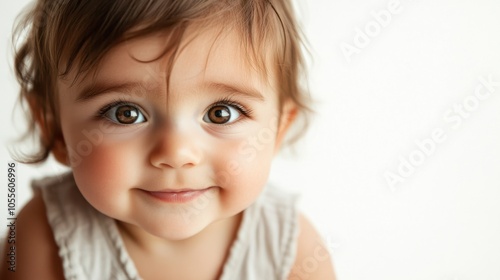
(37, 253)
(313, 261)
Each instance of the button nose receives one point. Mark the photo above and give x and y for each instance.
(175, 148)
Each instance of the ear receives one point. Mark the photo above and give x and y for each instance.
(289, 113)
(46, 123)
(59, 150)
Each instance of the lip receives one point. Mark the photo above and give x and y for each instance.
(177, 196)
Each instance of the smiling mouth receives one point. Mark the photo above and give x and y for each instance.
(177, 196)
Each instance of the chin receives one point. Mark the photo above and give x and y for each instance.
(177, 229)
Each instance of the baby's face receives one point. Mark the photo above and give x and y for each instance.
(172, 163)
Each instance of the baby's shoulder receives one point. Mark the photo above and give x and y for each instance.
(35, 247)
(312, 260)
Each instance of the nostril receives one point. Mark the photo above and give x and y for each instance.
(182, 154)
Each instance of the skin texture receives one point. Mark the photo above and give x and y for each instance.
(171, 143)
(174, 148)
(36, 251)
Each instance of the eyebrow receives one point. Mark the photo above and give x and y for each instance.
(240, 89)
(101, 88)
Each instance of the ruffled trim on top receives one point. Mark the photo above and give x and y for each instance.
(126, 262)
(271, 220)
(240, 244)
(57, 218)
(74, 222)
(290, 240)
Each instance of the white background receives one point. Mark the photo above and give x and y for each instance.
(443, 221)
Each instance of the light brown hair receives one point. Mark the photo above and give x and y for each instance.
(62, 35)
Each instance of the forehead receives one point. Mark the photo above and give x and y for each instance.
(203, 56)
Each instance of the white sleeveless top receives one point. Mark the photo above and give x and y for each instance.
(91, 247)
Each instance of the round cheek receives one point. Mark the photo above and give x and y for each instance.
(242, 169)
(104, 175)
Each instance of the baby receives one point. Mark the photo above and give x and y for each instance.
(169, 114)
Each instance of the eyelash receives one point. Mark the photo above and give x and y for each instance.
(101, 114)
(225, 101)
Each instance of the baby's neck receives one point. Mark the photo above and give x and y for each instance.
(208, 249)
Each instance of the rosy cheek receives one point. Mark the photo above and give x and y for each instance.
(102, 163)
(105, 171)
(242, 169)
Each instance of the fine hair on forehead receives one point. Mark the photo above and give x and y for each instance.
(56, 37)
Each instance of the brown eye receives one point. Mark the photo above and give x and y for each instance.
(221, 114)
(125, 114)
